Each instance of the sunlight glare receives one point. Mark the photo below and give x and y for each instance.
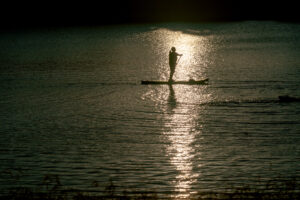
(180, 103)
(194, 50)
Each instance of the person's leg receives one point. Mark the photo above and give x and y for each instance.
(172, 70)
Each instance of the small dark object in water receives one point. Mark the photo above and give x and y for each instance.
(287, 98)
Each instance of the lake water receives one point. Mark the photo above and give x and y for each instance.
(72, 105)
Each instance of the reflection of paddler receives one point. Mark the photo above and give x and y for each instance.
(172, 99)
(173, 62)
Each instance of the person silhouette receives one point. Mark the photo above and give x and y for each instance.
(173, 62)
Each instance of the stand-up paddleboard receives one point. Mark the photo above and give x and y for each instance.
(189, 82)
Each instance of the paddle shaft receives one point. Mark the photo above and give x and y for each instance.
(178, 61)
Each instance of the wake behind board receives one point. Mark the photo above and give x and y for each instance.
(190, 82)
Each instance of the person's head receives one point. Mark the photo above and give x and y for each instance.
(173, 49)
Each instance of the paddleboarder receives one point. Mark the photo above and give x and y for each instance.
(173, 62)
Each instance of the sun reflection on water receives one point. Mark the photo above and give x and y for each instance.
(180, 104)
(195, 49)
(181, 134)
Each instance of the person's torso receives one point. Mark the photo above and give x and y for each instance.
(172, 57)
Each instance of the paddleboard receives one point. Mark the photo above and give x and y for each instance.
(189, 82)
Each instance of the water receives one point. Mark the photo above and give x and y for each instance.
(72, 105)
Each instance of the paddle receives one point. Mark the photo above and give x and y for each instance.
(178, 60)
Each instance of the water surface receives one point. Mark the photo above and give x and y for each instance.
(72, 105)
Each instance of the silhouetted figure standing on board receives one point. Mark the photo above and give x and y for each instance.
(173, 62)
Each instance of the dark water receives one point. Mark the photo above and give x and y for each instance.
(72, 105)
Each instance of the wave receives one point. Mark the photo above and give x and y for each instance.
(279, 100)
(258, 101)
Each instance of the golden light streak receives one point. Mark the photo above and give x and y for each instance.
(181, 112)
